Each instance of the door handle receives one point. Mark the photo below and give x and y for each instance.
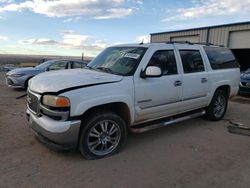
(203, 80)
(177, 83)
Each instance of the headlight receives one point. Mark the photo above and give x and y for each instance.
(55, 101)
(17, 75)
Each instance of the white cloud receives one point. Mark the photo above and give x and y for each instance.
(203, 8)
(6, 1)
(116, 13)
(98, 9)
(3, 37)
(41, 41)
(143, 38)
(70, 40)
(74, 19)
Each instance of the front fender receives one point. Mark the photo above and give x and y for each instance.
(86, 105)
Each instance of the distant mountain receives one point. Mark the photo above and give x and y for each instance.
(18, 59)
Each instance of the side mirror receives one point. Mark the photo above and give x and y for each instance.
(151, 72)
(47, 69)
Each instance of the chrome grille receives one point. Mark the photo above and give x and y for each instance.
(33, 102)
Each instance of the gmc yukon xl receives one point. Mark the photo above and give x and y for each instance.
(134, 87)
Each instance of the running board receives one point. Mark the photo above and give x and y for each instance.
(141, 129)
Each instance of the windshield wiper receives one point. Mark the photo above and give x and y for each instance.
(105, 69)
(87, 66)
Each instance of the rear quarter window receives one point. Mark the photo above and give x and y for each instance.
(221, 58)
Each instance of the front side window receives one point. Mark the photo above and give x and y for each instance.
(191, 61)
(58, 66)
(165, 60)
(118, 60)
(221, 58)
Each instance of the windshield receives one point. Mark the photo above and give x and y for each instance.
(118, 60)
(45, 64)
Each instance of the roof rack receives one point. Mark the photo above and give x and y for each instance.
(191, 43)
(179, 42)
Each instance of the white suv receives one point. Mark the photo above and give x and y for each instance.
(134, 87)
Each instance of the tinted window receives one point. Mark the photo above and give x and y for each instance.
(191, 61)
(58, 66)
(221, 58)
(164, 59)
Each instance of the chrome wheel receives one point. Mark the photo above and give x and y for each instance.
(219, 106)
(103, 137)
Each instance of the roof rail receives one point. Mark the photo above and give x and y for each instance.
(209, 44)
(191, 43)
(179, 42)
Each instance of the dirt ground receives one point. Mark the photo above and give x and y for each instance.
(194, 153)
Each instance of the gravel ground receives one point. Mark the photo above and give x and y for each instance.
(194, 153)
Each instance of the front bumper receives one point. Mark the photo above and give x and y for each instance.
(244, 90)
(57, 134)
(14, 82)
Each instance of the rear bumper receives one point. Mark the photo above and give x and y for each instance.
(61, 135)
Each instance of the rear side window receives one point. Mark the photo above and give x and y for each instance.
(76, 65)
(221, 58)
(191, 61)
(164, 59)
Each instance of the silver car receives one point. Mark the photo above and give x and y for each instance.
(18, 78)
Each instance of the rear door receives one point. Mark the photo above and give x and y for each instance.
(195, 77)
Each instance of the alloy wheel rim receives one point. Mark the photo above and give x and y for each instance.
(219, 106)
(104, 137)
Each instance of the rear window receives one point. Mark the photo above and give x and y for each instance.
(221, 58)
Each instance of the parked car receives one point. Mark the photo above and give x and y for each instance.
(135, 87)
(18, 78)
(8, 67)
(245, 83)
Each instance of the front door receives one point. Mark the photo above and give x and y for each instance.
(158, 97)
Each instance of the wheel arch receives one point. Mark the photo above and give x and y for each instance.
(119, 108)
(224, 87)
(27, 81)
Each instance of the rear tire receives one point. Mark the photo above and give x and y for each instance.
(218, 106)
(103, 134)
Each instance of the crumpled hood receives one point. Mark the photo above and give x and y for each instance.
(24, 70)
(56, 81)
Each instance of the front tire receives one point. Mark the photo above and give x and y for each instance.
(103, 135)
(218, 106)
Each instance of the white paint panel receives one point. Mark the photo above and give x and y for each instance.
(193, 38)
(239, 39)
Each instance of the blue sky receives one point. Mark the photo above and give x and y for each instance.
(70, 27)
